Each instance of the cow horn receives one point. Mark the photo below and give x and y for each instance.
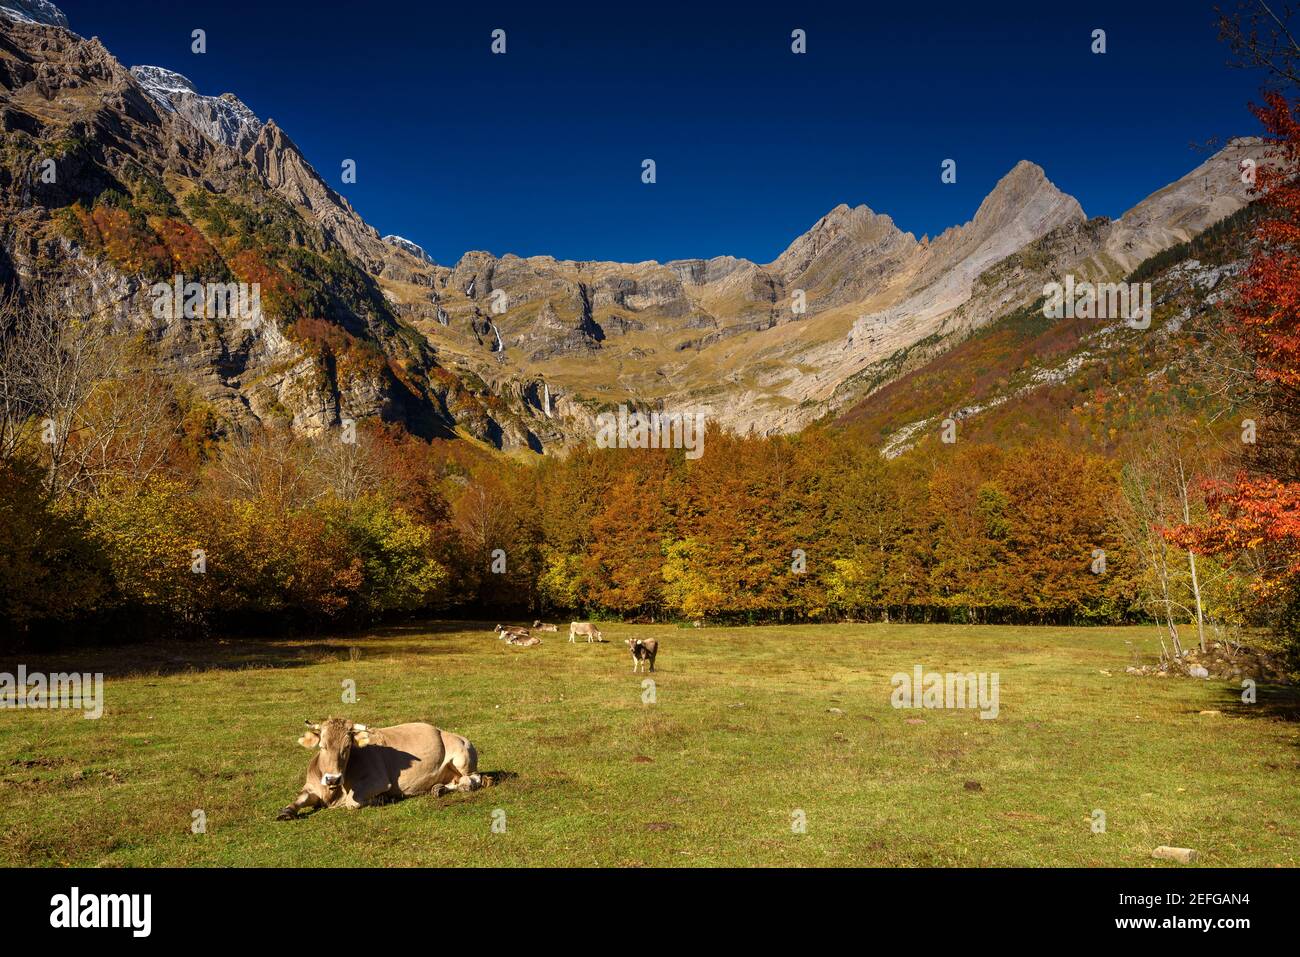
(311, 724)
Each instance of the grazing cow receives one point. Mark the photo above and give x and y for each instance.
(523, 641)
(585, 628)
(643, 649)
(506, 632)
(356, 766)
(540, 626)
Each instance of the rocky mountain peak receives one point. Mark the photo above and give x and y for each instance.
(160, 82)
(849, 241)
(1023, 206)
(34, 11)
(415, 249)
(1024, 171)
(1186, 206)
(1027, 198)
(224, 119)
(282, 166)
(843, 224)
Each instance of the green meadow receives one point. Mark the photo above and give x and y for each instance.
(760, 746)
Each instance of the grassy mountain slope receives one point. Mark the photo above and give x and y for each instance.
(1096, 379)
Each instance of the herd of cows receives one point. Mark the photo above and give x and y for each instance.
(356, 766)
(643, 650)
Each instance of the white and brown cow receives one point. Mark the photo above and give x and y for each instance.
(355, 766)
(643, 650)
(585, 628)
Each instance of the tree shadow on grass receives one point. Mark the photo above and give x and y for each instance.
(168, 657)
(1272, 703)
(408, 628)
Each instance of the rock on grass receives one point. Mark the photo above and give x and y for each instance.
(1182, 855)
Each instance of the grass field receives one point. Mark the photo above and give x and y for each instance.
(740, 738)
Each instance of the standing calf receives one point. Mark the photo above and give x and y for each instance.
(643, 649)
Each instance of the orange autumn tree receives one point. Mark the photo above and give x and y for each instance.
(1259, 510)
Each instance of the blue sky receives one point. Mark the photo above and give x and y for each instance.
(539, 151)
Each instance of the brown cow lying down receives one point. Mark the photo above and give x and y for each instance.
(523, 641)
(642, 650)
(357, 766)
(543, 626)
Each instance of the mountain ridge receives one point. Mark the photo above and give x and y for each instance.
(764, 347)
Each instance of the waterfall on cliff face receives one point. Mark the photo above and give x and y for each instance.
(501, 347)
(546, 399)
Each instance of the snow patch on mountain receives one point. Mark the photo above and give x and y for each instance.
(162, 84)
(413, 248)
(223, 119)
(34, 11)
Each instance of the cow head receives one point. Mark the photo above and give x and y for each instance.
(336, 737)
(633, 643)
